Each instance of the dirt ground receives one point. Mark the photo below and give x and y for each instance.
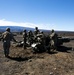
(24, 62)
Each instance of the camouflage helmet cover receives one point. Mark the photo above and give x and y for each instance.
(52, 30)
(7, 29)
(36, 27)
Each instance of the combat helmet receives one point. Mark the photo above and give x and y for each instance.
(7, 29)
(52, 30)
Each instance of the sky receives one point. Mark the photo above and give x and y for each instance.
(44, 14)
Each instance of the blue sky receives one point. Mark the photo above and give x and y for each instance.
(45, 14)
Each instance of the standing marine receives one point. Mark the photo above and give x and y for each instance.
(53, 40)
(24, 38)
(7, 37)
(36, 31)
(30, 37)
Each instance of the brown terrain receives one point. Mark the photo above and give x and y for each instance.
(24, 62)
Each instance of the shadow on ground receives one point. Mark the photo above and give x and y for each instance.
(19, 59)
(64, 49)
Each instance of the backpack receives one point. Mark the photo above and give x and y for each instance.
(6, 36)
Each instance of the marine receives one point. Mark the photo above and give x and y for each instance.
(30, 37)
(53, 40)
(7, 37)
(24, 38)
(36, 31)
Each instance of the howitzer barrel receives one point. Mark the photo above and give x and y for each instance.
(71, 38)
(64, 39)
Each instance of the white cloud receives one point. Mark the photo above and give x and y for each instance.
(4, 22)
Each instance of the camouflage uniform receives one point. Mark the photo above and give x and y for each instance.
(42, 37)
(24, 38)
(7, 36)
(36, 32)
(41, 42)
(40, 45)
(53, 40)
(30, 37)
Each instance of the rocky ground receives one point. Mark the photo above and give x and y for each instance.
(24, 62)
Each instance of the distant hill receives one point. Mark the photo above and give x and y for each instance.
(15, 28)
(18, 28)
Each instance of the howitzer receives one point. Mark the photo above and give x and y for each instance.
(61, 40)
(38, 47)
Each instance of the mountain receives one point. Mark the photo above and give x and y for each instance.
(15, 28)
(18, 28)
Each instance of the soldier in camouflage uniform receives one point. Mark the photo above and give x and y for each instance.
(30, 37)
(53, 40)
(7, 36)
(36, 32)
(24, 38)
(41, 42)
(42, 37)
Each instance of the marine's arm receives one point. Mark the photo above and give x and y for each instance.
(12, 38)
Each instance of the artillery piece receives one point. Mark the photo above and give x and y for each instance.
(61, 40)
(38, 47)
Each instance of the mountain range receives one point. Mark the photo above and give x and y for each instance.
(20, 29)
(15, 28)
